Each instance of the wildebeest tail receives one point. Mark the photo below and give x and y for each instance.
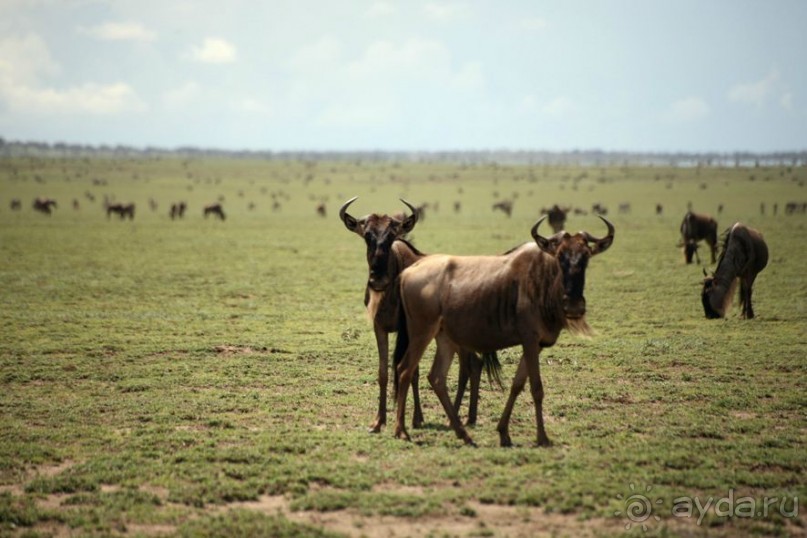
(401, 343)
(493, 368)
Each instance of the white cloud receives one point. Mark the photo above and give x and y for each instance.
(755, 93)
(443, 11)
(687, 110)
(119, 31)
(89, 98)
(381, 9)
(320, 54)
(534, 24)
(214, 50)
(23, 60)
(413, 59)
(251, 106)
(559, 107)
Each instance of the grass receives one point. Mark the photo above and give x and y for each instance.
(167, 377)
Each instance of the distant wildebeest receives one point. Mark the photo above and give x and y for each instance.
(177, 210)
(122, 210)
(76, 204)
(795, 207)
(16, 204)
(44, 205)
(743, 256)
(457, 206)
(388, 254)
(695, 228)
(557, 216)
(599, 209)
(505, 206)
(659, 209)
(624, 208)
(719, 209)
(487, 303)
(322, 210)
(214, 209)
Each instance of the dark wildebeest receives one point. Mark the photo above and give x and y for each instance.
(599, 209)
(214, 209)
(16, 204)
(178, 210)
(322, 210)
(659, 209)
(557, 217)
(505, 206)
(487, 303)
(744, 255)
(388, 254)
(44, 205)
(122, 210)
(695, 228)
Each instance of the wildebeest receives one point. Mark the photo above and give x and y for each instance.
(44, 205)
(743, 256)
(16, 204)
(177, 210)
(487, 303)
(388, 254)
(505, 206)
(599, 209)
(557, 217)
(214, 209)
(322, 210)
(122, 210)
(694, 228)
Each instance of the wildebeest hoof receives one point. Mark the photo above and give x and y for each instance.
(504, 440)
(544, 442)
(401, 434)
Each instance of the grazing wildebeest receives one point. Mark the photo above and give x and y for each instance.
(659, 209)
(388, 254)
(744, 255)
(44, 205)
(695, 228)
(557, 217)
(16, 204)
(322, 210)
(599, 209)
(122, 210)
(506, 206)
(487, 303)
(178, 210)
(624, 208)
(214, 209)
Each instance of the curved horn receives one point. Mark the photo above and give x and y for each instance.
(412, 219)
(601, 245)
(543, 243)
(350, 222)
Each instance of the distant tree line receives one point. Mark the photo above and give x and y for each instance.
(591, 157)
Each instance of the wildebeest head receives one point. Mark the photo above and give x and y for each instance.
(573, 253)
(379, 232)
(706, 297)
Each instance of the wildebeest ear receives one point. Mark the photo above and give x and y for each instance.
(350, 222)
(409, 222)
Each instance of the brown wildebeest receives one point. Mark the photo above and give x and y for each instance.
(322, 210)
(16, 204)
(388, 254)
(214, 209)
(695, 228)
(44, 205)
(557, 217)
(599, 209)
(659, 209)
(487, 303)
(122, 210)
(177, 210)
(505, 206)
(744, 255)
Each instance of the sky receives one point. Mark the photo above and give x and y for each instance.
(342, 75)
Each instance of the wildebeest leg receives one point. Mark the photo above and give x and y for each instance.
(406, 371)
(417, 415)
(382, 340)
(532, 357)
(515, 389)
(746, 285)
(470, 369)
(713, 248)
(437, 379)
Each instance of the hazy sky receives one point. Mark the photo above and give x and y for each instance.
(644, 75)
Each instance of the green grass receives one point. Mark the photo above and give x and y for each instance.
(159, 376)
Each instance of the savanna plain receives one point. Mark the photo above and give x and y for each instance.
(200, 377)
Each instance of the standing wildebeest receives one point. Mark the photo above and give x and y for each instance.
(322, 210)
(557, 217)
(744, 255)
(214, 209)
(16, 204)
(44, 205)
(122, 210)
(486, 303)
(388, 254)
(505, 206)
(697, 227)
(178, 210)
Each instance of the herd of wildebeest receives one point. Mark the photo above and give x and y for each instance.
(474, 306)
